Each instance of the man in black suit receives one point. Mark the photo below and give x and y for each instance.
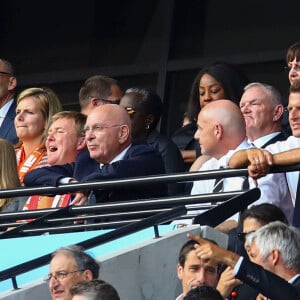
(8, 84)
(108, 139)
(274, 266)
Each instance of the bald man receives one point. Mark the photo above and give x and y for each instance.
(108, 138)
(221, 128)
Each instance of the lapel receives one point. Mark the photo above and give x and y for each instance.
(280, 137)
(8, 121)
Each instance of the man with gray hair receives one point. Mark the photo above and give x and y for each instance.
(274, 266)
(70, 265)
(262, 107)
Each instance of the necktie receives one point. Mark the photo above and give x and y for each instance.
(296, 217)
(218, 187)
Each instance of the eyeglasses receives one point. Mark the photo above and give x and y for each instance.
(296, 67)
(242, 235)
(102, 101)
(60, 275)
(5, 73)
(131, 111)
(99, 128)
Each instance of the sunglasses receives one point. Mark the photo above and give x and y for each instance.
(242, 235)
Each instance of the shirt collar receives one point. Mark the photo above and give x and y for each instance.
(120, 156)
(264, 139)
(4, 109)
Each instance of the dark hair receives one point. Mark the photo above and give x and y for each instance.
(230, 76)
(203, 293)
(95, 290)
(83, 260)
(98, 86)
(264, 213)
(186, 248)
(8, 66)
(293, 52)
(149, 103)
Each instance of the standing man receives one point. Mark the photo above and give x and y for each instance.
(8, 84)
(68, 266)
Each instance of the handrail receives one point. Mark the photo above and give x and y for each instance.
(121, 206)
(95, 241)
(135, 181)
(43, 217)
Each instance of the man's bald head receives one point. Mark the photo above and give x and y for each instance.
(221, 127)
(108, 132)
(226, 113)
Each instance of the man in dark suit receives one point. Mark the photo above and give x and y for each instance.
(274, 266)
(108, 139)
(8, 83)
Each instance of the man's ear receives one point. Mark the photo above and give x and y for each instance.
(275, 257)
(218, 131)
(94, 102)
(12, 83)
(179, 271)
(88, 275)
(123, 133)
(81, 143)
(278, 112)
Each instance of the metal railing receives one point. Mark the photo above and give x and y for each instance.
(63, 214)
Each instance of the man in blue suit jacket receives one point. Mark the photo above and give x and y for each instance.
(274, 251)
(108, 139)
(8, 83)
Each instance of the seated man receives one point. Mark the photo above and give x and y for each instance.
(65, 140)
(68, 266)
(108, 139)
(274, 266)
(94, 290)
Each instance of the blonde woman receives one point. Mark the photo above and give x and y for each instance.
(35, 107)
(8, 169)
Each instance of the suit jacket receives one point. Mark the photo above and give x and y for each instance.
(7, 129)
(172, 158)
(268, 283)
(140, 160)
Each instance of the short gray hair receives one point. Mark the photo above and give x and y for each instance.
(274, 94)
(83, 260)
(277, 235)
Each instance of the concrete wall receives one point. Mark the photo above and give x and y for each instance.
(145, 271)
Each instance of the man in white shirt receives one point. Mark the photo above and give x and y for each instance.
(262, 108)
(259, 159)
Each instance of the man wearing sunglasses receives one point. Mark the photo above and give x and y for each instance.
(8, 84)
